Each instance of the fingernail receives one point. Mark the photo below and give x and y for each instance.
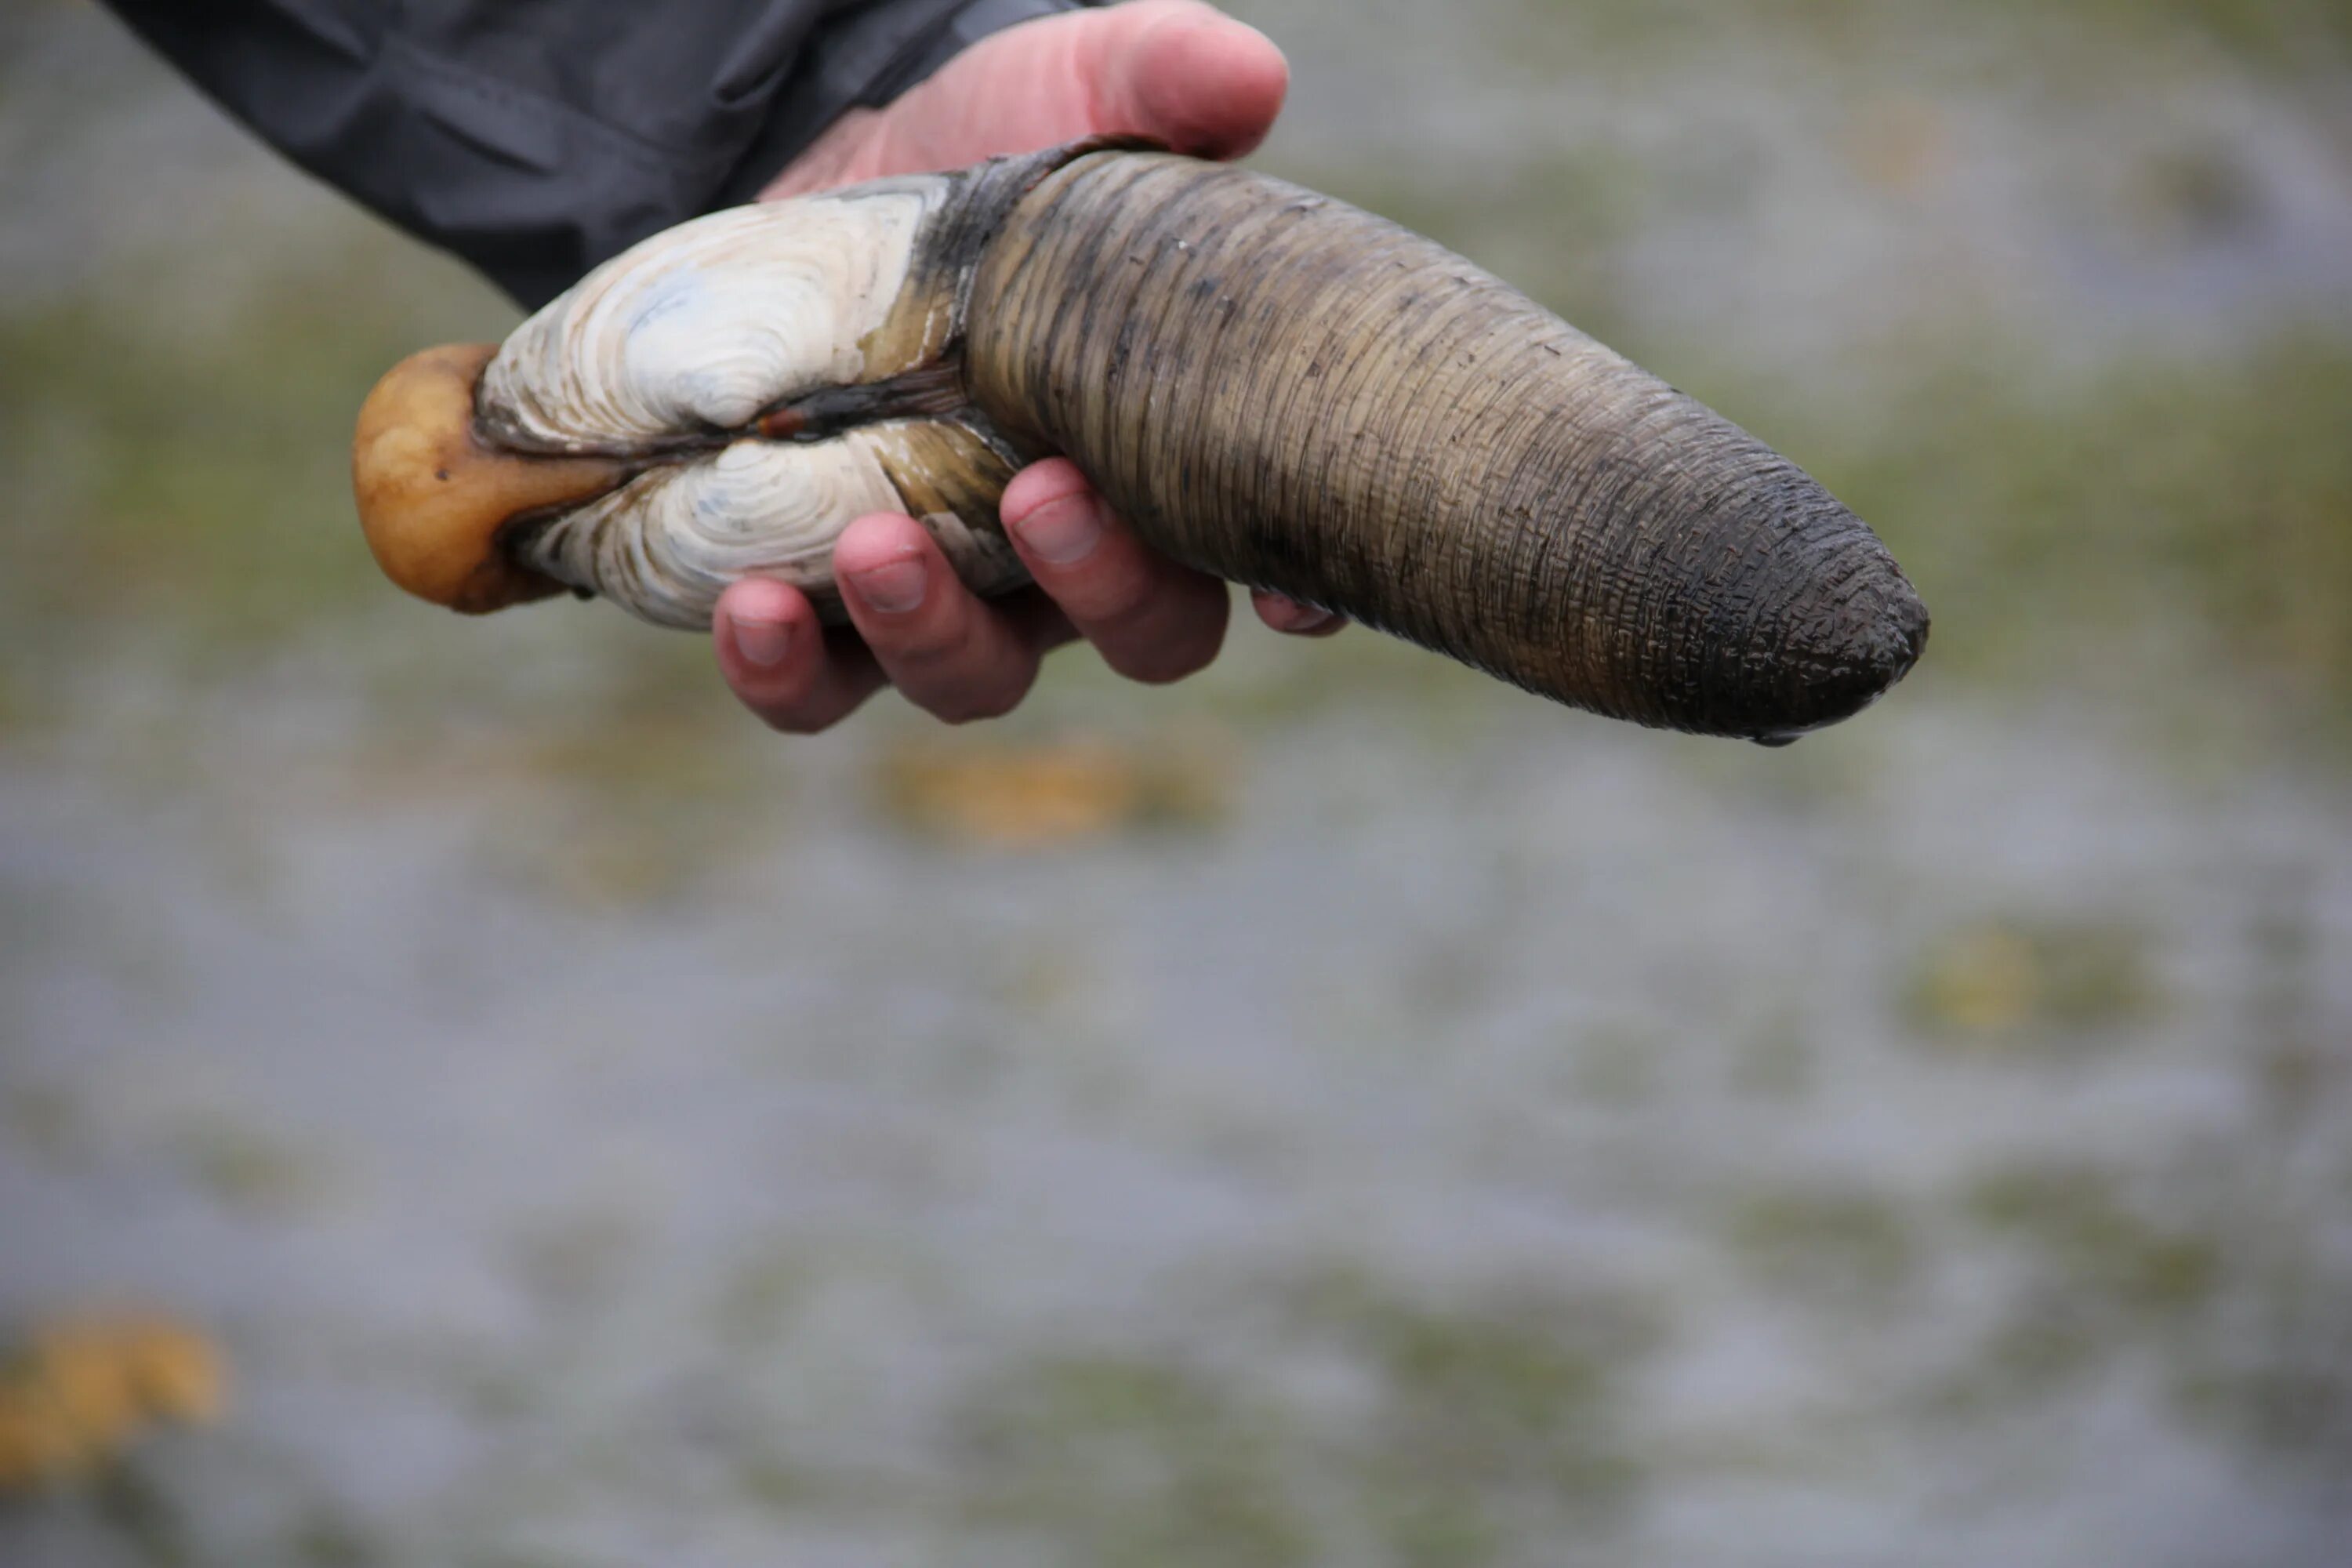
(895, 587)
(1294, 617)
(762, 643)
(1063, 531)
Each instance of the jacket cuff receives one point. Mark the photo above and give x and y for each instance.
(863, 59)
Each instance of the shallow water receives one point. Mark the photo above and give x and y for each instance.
(1396, 1121)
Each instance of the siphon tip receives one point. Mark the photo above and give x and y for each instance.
(1843, 659)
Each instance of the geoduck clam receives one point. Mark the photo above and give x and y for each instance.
(1268, 383)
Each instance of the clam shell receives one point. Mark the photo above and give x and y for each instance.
(668, 543)
(669, 355)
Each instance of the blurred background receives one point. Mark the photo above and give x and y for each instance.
(469, 1095)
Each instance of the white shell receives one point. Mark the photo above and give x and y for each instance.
(667, 544)
(700, 328)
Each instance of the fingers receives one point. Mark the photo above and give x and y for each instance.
(782, 664)
(1291, 617)
(939, 643)
(801, 676)
(920, 629)
(1150, 619)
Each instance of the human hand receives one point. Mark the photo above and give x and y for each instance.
(1173, 70)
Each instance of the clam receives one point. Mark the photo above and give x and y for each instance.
(1268, 383)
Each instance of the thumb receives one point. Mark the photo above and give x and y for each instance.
(1178, 70)
(1183, 72)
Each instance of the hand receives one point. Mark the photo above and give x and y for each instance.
(1174, 70)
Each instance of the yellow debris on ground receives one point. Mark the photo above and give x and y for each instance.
(1026, 797)
(1997, 980)
(1984, 979)
(77, 1392)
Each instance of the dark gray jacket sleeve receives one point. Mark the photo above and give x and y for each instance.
(534, 138)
